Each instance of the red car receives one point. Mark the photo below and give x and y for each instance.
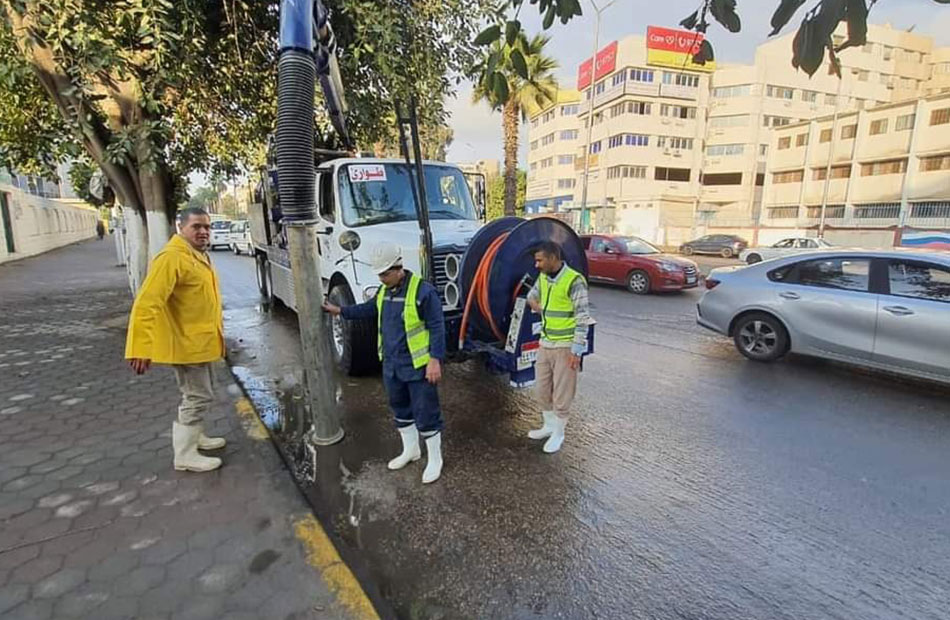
(634, 263)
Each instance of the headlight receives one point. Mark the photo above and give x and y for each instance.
(452, 295)
(370, 292)
(452, 266)
(670, 267)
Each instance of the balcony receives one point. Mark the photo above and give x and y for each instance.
(643, 89)
(678, 92)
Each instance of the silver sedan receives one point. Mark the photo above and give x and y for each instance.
(886, 309)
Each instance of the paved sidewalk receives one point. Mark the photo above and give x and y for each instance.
(94, 522)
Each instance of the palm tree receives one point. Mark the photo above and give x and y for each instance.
(514, 78)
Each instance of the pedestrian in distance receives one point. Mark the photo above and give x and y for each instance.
(411, 337)
(100, 229)
(176, 320)
(560, 296)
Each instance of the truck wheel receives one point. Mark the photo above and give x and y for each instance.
(263, 277)
(353, 343)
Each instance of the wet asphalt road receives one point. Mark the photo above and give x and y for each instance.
(693, 484)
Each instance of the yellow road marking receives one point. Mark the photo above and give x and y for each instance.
(322, 555)
(251, 423)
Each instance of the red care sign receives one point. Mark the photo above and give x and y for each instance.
(606, 63)
(677, 41)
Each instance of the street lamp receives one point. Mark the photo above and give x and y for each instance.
(590, 106)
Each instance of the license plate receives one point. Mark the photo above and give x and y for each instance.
(690, 279)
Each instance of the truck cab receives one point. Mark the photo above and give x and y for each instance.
(362, 202)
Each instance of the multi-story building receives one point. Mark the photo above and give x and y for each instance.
(748, 102)
(677, 152)
(877, 171)
(553, 139)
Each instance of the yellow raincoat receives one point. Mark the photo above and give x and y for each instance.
(176, 318)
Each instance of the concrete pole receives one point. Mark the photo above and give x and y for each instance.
(590, 108)
(831, 154)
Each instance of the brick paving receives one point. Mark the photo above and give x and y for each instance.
(94, 522)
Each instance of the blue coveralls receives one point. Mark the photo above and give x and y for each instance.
(412, 398)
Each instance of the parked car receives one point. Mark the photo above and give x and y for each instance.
(785, 247)
(220, 234)
(241, 237)
(637, 265)
(726, 246)
(886, 309)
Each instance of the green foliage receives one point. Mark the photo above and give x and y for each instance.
(204, 198)
(495, 196)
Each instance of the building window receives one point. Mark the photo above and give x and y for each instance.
(534, 124)
(824, 136)
(888, 52)
(679, 175)
(570, 109)
(533, 145)
(848, 132)
(930, 209)
(681, 79)
(832, 212)
(569, 134)
(600, 87)
(533, 167)
(779, 92)
(783, 213)
(809, 96)
(793, 176)
(619, 78)
(638, 107)
(674, 142)
(801, 139)
(940, 117)
(546, 162)
(784, 143)
(565, 183)
(775, 121)
(677, 111)
(905, 122)
(879, 127)
(628, 139)
(565, 159)
(617, 109)
(641, 75)
(615, 141)
(868, 48)
(931, 164)
(548, 139)
(877, 211)
(548, 116)
(880, 168)
(763, 149)
(720, 150)
(595, 147)
(831, 99)
(727, 92)
(739, 120)
(722, 178)
(627, 172)
(837, 172)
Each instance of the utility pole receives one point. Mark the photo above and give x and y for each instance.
(295, 168)
(590, 108)
(831, 154)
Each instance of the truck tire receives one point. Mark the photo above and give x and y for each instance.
(263, 278)
(352, 343)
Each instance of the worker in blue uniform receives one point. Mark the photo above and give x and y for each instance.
(411, 340)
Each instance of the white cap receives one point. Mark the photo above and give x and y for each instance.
(385, 256)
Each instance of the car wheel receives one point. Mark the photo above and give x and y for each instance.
(263, 278)
(726, 252)
(638, 282)
(235, 249)
(353, 343)
(752, 259)
(688, 250)
(760, 337)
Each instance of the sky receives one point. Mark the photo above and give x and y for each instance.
(478, 130)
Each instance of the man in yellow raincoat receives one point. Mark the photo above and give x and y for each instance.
(176, 320)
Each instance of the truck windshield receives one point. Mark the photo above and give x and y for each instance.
(379, 193)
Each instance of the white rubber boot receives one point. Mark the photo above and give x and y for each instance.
(553, 444)
(185, 444)
(210, 443)
(410, 448)
(434, 462)
(546, 429)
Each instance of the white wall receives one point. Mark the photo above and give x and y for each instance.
(42, 224)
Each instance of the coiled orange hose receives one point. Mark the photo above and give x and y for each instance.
(479, 290)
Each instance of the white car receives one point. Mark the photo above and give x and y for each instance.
(241, 237)
(220, 234)
(785, 247)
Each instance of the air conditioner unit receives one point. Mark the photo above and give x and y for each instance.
(666, 151)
